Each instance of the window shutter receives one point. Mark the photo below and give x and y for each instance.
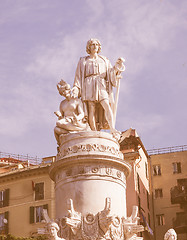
(179, 167)
(7, 224)
(39, 191)
(45, 206)
(6, 200)
(31, 214)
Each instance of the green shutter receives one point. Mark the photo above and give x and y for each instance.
(6, 200)
(31, 214)
(45, 207)
(7, 224)
(39, 191)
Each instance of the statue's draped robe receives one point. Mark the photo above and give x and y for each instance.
(94, 78)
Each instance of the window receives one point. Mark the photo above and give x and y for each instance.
(180, 214)
(160, 219)
(39, 191)
(147, 200)
(139, 203)
(182, 183)
(4, 223)
(181, 218)
(36, 213)
(176, 167)
(156, 170)
(4, 198)
(138, 182)
(158, 193)
(149, 219)
(146, 170)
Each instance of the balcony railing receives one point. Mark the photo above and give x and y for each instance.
(167, 150)
(179, 195)
(23, 158)
(180, 223)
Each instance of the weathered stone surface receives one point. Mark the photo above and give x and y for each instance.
(102, 225)
(88, 175)
(89, 168)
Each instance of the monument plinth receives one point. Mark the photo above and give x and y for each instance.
(90, 168)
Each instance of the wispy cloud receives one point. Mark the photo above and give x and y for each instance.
(133, 30)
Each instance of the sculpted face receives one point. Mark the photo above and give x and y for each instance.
(94, 47)
(53, 231)
(172, 237)
(66, 92)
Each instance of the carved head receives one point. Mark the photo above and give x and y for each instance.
(91, 42)
(170, 235)
(53, 228)
(64, 88)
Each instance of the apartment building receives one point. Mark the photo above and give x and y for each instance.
(138, 183)
(157, 185)
(169, 183)
(25, 190)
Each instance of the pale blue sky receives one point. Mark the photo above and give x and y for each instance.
(42, 40)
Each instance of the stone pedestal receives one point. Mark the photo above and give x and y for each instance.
(90, 168)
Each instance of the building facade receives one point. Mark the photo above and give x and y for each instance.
(169, 184)
(25, 190)
(138, 183)
(157, 185)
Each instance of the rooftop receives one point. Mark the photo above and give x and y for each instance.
(167, 150)
(17, 158)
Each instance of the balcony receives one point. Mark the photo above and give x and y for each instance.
(180, 223)
(179, 195)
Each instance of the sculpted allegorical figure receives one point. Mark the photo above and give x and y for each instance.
(71, 115)
(131, 226)
(105, 218)
(53, 229)
(170, 235)
(94, 79)
(74, 218)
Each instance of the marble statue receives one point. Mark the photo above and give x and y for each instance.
(53, 229)
(74, 218)
(105, 218)
(94, 79)
(170, 235)
(71, 115)
(131, 227)
(102, 225)
(89, 163)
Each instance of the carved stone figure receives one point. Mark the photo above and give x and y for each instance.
(71, 115)
(74, 218)
(170, 235)
(90, 227)
(131, 227)
(94, 79)
(105, 219)
(53, 229)
(102, 225)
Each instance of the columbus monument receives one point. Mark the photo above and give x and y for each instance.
(90, 172)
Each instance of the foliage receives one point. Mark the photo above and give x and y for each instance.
(10, 237)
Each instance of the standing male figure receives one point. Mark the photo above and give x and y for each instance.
(94, 79)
